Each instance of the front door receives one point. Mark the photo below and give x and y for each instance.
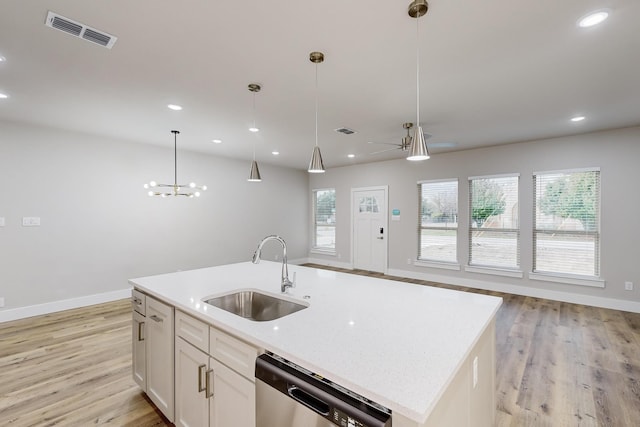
(369, 218)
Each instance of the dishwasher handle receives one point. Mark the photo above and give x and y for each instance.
(308, 400)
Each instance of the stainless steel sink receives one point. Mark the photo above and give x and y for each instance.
(254, 305)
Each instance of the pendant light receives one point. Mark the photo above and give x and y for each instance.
(316, 165)
(190, 190)
(254, 173)
(418, 148)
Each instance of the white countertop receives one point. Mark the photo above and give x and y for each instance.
(396, 343)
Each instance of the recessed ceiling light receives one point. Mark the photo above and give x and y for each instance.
(351, 156)
(594, 18)
(216, 141)
(275, 153)
(174, 107)
(578, 118)
(254, 129)
(3, 96)
(2, 58)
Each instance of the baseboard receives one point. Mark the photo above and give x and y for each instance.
(322, 261)
(595, 301)
(67, 304)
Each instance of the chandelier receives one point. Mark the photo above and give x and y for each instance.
(165, 190)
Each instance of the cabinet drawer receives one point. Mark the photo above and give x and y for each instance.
(138, 301)
(192, 331)
(237, 355)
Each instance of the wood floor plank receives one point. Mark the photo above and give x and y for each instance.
(558, 365)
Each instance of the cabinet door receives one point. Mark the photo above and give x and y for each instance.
(160, 354)
(233, 402)
(139, 354)
(192, 405)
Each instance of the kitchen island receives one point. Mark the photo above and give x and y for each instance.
(427, 354)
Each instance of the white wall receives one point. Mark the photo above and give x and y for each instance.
(617, 153)
(99, 228)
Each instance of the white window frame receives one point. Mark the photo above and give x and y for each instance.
(432, 262)
(314, 247)
(564, 277)
(500, 270)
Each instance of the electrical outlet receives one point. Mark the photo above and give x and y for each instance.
(1, 302)
(408, 261)
(628, 286)
(276, 257)
(1, 221)
(475, 371)
(31, 221)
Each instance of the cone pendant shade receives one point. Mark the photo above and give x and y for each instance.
(418, 148)
(316, 165)
(254, 174)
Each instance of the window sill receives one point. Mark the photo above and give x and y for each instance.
(436, 264)
(494, 271)
(568, 280)
(319, 251)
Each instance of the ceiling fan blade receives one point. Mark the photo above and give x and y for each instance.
(383, 143)
(384, 151)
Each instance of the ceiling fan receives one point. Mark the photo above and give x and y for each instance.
(403, 145)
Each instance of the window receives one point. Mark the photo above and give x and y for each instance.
(494, 232)
(324, 219)
(438, 222)
(566, 231)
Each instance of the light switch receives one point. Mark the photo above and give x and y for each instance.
(31, 221)
(1, 221)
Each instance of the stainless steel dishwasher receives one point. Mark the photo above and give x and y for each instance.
(288, 395)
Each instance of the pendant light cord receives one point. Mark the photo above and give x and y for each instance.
(175, 159)
(254, 125)
(418, 72)
(316, 104)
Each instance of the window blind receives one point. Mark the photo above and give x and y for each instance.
(438, 220)
(324, 219)
(494, 231)
(566, 231)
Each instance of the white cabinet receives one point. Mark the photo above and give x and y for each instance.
(139, 354)
(159, 349)
(152, 350)
(192, 405)
(214, 387)
(233, 400)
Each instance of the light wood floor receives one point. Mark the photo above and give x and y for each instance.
(558, 364)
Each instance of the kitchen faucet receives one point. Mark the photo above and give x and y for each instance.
(285, 283)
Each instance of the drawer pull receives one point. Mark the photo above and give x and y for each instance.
(140, 330)
(209, 384)
(201, 373)
(156, 318)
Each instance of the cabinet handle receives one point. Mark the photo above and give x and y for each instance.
(201, 373)
(140, 336)
(156, 318)
(137, 301)
(209, 384)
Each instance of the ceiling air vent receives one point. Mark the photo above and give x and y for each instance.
(345, 131)
(80, 30)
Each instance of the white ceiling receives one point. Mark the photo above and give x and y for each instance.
(492, 72)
